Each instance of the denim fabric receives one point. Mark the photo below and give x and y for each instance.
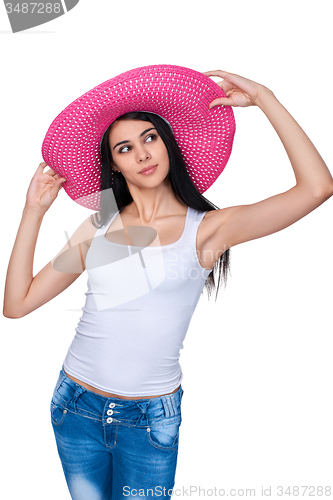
(113, 448)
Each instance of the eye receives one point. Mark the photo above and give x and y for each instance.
(122, 150)
(151, 137)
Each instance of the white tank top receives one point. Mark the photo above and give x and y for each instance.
(139, 304)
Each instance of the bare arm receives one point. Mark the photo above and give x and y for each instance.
(314, 183)
(23, 292)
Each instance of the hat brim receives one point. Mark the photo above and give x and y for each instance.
(179, 95)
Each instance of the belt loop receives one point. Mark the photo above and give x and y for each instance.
(61, 378)
(173, 401)
(168, 406)
(78, 391)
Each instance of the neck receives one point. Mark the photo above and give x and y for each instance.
(151, 203)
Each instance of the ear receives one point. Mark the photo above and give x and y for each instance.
(112, 165)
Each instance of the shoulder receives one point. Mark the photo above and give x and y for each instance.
(71, 258)
(85, 232)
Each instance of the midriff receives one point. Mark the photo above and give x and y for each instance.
(110, 394)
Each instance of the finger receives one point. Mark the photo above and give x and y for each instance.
(225, 86)
(228, 78)
(51, 172)
(60, 180)
(221, 101)
(41, 166)
(217, 72)
(57, 186)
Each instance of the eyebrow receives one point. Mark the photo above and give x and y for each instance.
(143, 133)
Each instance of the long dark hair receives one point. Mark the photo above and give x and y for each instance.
(180, 181)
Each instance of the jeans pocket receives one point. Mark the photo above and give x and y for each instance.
(164, 435)
(58, 413)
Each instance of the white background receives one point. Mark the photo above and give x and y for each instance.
(257, 407)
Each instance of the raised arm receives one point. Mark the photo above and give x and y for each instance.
(314, 183)
(23, 292)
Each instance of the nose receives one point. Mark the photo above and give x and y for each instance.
(142, 154)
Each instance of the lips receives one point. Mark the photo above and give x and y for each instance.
(148, 169)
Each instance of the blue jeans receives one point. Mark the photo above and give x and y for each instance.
(113, 448)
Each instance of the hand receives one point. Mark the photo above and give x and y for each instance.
(43, 189)
(239, 91)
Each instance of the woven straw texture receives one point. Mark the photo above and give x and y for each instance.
(178, 94)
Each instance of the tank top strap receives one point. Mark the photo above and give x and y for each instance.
(102, 230)
(194, 219)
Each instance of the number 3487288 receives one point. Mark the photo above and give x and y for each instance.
(33, 8)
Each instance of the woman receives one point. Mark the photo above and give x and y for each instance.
(116, 408)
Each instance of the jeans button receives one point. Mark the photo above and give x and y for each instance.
(109, 412)
(109, 420)
(112, 405)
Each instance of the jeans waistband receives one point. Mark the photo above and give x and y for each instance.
(115, 410)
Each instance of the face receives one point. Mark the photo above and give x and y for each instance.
(136, 145)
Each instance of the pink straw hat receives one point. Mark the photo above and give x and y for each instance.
(179, 95)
